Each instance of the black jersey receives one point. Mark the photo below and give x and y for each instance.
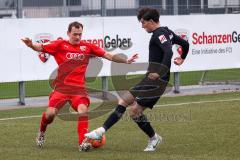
(160, 48)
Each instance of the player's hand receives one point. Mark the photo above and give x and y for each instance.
(28, 42)
(132, 59)
(178, 61)
(153, 76)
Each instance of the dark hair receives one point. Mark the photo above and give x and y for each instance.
(74, 24)
(147, 14)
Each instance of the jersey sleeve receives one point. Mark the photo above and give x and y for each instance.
(97, 51)
(51, 47)
(163, 41)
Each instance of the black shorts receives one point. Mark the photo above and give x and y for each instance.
(147, 102)
(148, 92)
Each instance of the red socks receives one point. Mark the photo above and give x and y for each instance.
(82, 128)
(44, 122)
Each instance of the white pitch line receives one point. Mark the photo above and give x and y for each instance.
(199, 102)
(162, 105)
(14, 118)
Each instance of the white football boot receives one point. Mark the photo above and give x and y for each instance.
(153, 143)
(95, 134)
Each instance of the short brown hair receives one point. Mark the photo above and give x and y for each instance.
(74, 24)
(147, 13)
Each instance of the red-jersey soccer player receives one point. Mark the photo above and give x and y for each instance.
(72, 56)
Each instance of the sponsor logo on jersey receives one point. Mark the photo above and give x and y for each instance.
(65, 46)
(83, 48)
(162, 39)
(43, 38)
(76, 56)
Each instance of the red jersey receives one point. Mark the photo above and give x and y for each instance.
(72, 60)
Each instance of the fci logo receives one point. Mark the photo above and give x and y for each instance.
(43, 38)
(83, 48)
(183, 33)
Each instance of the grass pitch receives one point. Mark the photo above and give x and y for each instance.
(205, 127)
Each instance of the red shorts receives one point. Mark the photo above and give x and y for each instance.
(58, 100)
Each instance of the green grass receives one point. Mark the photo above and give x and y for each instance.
(208, 131)
(42, 88)
(193, 78)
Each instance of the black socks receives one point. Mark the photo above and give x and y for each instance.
(143, 123)
(114, 117)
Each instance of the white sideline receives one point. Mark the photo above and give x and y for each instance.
(199, 102)
(13, 118)
(157, 106)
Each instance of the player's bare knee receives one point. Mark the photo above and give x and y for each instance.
(132, 114)
(122, 102)
(82, 110)
(134, 111)
(125, 102)
(51, 113)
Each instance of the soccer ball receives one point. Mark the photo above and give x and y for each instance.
(97, 143)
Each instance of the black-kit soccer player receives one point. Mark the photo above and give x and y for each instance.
(158, 74)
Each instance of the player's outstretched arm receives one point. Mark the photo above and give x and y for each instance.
(119, 58)
(36, 47)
